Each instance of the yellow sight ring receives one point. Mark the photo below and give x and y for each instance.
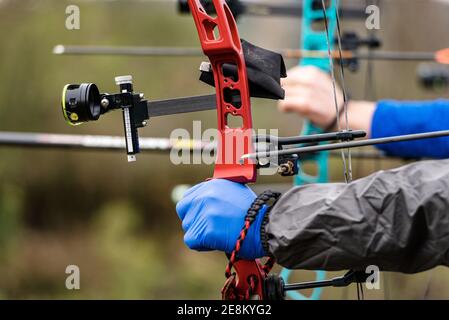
(72, 117)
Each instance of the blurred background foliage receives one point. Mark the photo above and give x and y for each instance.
(117, 221)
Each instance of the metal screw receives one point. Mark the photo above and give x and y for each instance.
(105, 103)
(144, 123)
(264, 161)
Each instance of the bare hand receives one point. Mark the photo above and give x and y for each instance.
(309, 93)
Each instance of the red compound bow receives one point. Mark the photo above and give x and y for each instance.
(220, 41)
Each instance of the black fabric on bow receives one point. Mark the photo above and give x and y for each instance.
(265, 69)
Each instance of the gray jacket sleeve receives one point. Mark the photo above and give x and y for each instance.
(397, 220)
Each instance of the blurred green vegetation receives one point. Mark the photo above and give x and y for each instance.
(114, 220)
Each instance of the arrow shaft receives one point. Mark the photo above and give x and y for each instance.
(375, 55)
(348, 145)
(117, 143)
(196, 52)
(111, 143)
(292, 9)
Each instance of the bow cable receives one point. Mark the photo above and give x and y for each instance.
(347, 162)
(347, 171)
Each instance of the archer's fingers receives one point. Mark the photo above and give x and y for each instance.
(304, 76)
(296, 104)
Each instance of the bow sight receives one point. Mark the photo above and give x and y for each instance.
(84, 102)
(81, 103)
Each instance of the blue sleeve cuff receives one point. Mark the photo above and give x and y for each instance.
(254, 249)
(393, 118)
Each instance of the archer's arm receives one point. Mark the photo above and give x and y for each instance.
(309, 92)
(396, 219)
(406, 117)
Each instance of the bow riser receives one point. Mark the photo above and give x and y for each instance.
(223, 47)
(221, 43)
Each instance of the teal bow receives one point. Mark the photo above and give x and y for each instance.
(315, 40)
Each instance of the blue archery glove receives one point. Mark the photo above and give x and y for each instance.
(213, 214)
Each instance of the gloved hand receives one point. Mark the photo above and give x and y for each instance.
(213, 214)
